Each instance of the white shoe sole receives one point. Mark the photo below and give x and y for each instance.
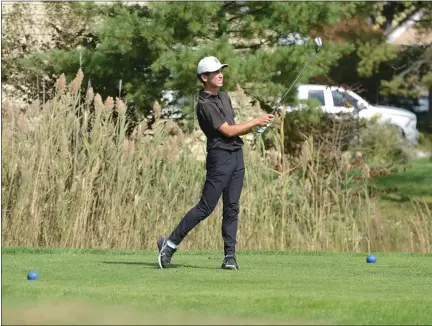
(232, 267)
(159, 261)
(159, 256)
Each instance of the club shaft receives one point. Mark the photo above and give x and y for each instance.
(293, 83)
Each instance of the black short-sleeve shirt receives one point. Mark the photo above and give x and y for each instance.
(212, 112)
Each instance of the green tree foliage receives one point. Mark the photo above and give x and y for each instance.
(364, 40)
(30, 28)
(115, 57)
(410, 65)
(377, 68)
(158, 47)
(247, 36)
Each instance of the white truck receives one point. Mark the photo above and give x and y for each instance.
(334, 99)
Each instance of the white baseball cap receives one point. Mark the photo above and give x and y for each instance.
(209, 64)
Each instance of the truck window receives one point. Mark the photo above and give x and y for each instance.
(351, 100)
(343, 99)
(338, 98)
(317, 95)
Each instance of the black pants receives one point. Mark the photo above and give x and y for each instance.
(225, 175)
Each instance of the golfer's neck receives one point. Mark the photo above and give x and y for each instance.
(211, 90)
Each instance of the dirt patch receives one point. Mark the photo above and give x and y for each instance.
(80, 313)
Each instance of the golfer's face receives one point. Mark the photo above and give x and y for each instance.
(215, 78)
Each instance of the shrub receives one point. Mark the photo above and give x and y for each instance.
(330, 134)
(382, 144)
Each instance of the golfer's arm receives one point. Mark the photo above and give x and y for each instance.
(238, 129)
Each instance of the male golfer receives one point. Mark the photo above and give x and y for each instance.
(224, 164)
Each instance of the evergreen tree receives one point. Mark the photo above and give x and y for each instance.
(266, 44)
(407, 67)
(156, 48)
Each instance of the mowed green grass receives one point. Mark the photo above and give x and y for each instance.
(415, 182)
(107, 287)
(398, 190)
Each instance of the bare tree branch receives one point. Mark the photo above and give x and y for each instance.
(247, 13)
(414, 67)
(423, 20)
(250, 46)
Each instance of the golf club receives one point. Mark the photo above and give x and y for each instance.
(318, 43)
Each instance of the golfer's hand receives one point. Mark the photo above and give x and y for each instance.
(264, 120)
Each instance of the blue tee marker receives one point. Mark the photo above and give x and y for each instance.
(371, 259)
(32, 275)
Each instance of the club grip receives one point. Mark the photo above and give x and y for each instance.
(260, 130)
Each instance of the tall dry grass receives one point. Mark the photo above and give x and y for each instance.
(72, 178)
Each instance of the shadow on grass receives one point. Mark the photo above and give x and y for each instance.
(401, 199)
(156, 266)
(405, 192)
(413, 183)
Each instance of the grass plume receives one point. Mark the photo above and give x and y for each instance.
(73, 178)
